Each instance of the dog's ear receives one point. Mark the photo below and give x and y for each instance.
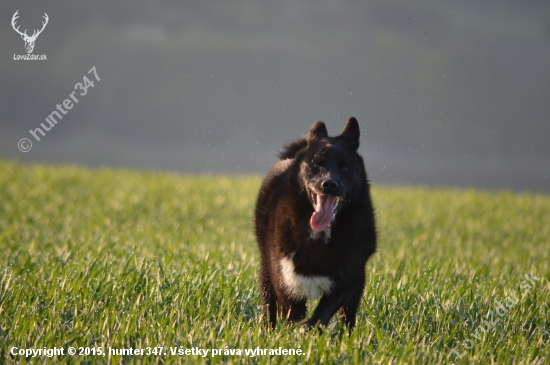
(318, 131)
(350, 134)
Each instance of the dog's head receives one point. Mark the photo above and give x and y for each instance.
(331, 171)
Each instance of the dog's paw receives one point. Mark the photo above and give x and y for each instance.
(304, 329)
(307, 326)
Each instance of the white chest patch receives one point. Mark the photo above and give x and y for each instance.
(301, 286)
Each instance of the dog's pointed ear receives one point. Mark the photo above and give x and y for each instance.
(318, 130)
(350, 133)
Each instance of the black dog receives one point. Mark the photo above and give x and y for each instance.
(315, 228)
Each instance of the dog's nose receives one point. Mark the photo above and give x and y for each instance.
(329, 185)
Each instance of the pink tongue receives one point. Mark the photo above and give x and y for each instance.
(324, 210)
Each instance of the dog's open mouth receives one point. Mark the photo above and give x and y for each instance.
(325, 207)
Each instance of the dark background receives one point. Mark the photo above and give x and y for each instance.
(448, 93)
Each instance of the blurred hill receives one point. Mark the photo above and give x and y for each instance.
(447, 92)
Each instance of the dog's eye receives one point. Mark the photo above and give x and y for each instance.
(344, 169)
(317, 165)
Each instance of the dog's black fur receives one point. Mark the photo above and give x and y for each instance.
(311, 243)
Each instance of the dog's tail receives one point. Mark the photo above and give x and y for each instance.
(292, 149)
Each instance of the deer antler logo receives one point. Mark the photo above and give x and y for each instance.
(29, 41)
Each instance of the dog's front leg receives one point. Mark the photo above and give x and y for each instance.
(346, 299)
(327, 307)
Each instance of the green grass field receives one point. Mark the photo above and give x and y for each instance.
(98, 259)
